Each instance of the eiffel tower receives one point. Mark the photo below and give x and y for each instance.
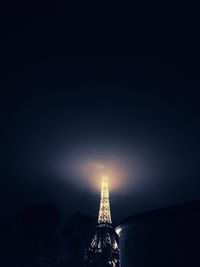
(103, 250)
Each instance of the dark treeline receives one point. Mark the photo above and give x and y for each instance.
(37, 238)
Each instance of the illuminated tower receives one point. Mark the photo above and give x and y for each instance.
(104, 209)
(103, 250)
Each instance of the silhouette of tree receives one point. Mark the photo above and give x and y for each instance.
(78, 231)
(30, 239)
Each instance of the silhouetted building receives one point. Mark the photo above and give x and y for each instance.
(164, 237)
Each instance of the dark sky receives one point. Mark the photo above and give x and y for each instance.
(115, 85)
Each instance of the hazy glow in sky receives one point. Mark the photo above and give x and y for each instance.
(89, 172)
(85, 169)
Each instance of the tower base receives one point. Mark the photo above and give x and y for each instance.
(103, 250)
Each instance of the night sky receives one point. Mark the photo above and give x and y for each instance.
(92, 85)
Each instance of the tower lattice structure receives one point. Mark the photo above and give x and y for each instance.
(104, 249)
(104, 209)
